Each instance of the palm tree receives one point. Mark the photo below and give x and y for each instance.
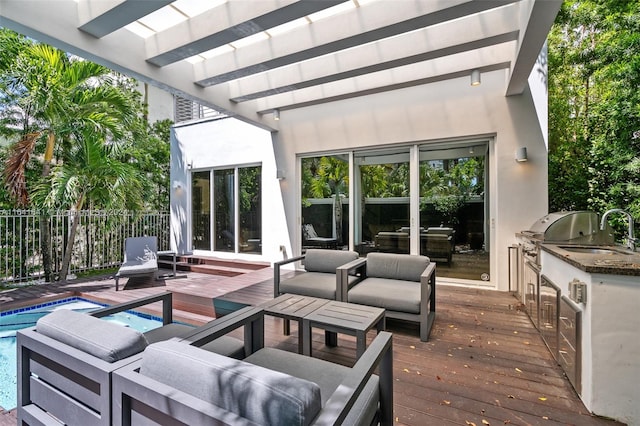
(91, 177)
(56, 100)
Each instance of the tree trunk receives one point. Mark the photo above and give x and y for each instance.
(45, 229)
(64, 269)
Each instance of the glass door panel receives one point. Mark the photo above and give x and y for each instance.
(224, 196)
(383, 182)
(325, 201)
(452, 210)
(200, 210)
(250, 209)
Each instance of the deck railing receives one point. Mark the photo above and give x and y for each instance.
(99, 241)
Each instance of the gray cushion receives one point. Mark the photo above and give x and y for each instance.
(167, 332)
(318, 260)
(394, 295)
(133, 267)
(326, 374)
(258, 394)
(105, 340)
(314, 284)
(396, 266)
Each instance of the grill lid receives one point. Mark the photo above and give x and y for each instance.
(572, 226)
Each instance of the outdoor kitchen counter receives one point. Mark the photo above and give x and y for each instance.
(616, 261)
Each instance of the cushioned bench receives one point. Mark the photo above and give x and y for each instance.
(402, 284)
(174, 383)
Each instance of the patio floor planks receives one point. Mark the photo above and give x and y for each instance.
(483, 364)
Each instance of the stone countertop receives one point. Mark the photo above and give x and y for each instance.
(615, 261)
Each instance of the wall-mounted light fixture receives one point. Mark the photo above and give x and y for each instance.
(276, 114)
(475, 78)
(280, 174)
(471, 151)
(521, 154)
(177, 185)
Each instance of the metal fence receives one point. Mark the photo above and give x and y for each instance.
(99, 241)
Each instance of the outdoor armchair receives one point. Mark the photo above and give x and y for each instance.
(66, 362)
(140, 258)
(404, 285)
(319, 278)
(177, 384)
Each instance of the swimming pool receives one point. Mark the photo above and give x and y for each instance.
(11, 321)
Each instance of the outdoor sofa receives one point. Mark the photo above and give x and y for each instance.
(173, 383)
(404, 285)
(66, 362)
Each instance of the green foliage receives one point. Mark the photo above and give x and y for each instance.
(323, 177)
(594, 106)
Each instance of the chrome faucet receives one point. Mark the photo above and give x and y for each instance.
(631, 240)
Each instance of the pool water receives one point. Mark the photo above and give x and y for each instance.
(26, 317)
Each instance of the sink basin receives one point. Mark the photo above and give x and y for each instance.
(593, 250)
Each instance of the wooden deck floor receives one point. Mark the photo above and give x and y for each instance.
(484, 364)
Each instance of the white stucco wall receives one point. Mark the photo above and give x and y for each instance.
(433, 113)
(226, 142)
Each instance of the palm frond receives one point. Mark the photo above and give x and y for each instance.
(14, 172)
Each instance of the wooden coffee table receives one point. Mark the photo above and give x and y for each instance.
(342, 317)
(293, 307)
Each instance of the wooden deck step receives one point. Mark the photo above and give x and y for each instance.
(211, 265)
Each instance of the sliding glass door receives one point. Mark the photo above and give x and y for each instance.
(429, 199)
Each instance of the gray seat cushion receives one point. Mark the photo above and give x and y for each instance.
(314, 284)
(105, 340)
(394, 295)
(134, 267)
(325, 374)
(318, 260)
(255, 393)
(396, 266)
(224, 345)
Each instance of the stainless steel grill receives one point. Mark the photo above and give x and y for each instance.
(572, 227)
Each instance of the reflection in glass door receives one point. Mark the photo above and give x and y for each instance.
(325, 202)
(382, 179)
(453, 209)
(201, 209)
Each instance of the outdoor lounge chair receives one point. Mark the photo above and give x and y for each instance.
(173, 383)
(140, 258)
(404, 285)
(66, 362)
(310, 238)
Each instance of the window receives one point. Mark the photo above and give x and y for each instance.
(236, 205)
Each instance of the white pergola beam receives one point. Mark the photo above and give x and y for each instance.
(537, 18)
(100, 18)
(485, 59)
(225, 24)
(368, 23)
(469, 33)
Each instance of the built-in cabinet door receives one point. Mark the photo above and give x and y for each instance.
(549, 314)
(531, 275)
